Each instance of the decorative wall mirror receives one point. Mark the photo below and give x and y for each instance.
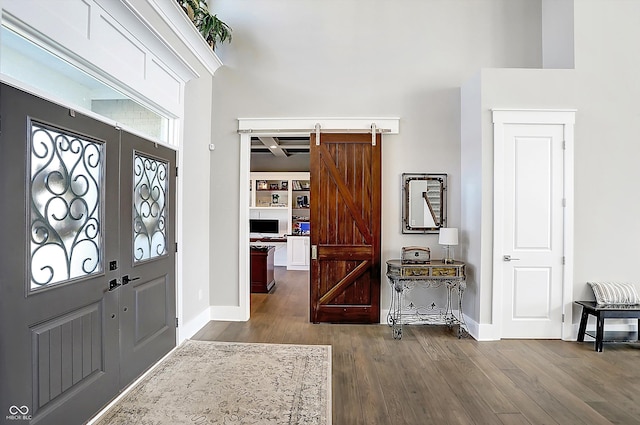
(424, 202)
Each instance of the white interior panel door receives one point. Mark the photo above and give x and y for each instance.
(533, 231)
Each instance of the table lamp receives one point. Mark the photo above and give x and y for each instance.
(448, 238)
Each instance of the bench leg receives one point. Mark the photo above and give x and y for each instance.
(599, 332)
(583, 325)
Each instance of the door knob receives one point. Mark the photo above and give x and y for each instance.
(126, 279)
(113, 284)
(508, 258)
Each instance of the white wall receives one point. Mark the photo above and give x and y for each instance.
(196, 202)
(193, 181)
(604, 90)
(607, 148)
(358, 58)
(496, 89)
(472, 192)
(557, 34)
(331, 58)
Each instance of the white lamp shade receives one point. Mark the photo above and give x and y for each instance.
(448, 236)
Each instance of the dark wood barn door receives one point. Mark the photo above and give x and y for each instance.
(345, 235)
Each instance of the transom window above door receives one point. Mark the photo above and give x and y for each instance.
(28, 63)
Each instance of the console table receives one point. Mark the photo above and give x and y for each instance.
(405, 277)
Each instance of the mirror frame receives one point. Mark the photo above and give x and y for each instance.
(407, 178)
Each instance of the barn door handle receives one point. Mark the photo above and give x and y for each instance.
(113, 284)
(314, 252)
(508, 258)
(126, 279)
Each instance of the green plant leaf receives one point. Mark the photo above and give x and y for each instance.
(212, 29)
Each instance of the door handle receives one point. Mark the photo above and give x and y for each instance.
(113, 285)
(508, 258)
(314, 252)
(126, 279)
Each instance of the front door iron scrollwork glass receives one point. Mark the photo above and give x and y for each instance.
(66, 214)
(150, 207)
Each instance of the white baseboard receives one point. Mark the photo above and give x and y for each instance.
(304, 268)
(485, 331)
(472, 327)
(477, 331)
(615, 325)
(490, 332)
(228, 313)
(189, 329)
(225, 313)
(384, 312)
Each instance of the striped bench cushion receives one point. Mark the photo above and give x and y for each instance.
(614, 293)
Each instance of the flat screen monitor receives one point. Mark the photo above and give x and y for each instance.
(304, 227)
(263, 225)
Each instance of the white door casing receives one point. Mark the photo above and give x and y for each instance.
(533, 192)
(532, 280)
(299, 126)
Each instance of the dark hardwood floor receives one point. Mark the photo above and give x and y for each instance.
(431, 377)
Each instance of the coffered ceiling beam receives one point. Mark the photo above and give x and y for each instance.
(272, 144)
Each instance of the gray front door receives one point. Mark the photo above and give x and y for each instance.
(66, 198)
(147, 249)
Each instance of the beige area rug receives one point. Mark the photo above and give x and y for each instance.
(232, 383)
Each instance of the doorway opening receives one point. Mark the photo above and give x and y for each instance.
(283, 128)
(279, 222)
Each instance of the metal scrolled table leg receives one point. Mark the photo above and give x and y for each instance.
(390, 319)
(462, 327)
(397, 319)
(450, 319)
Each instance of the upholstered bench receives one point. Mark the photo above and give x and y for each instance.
(607, 311)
